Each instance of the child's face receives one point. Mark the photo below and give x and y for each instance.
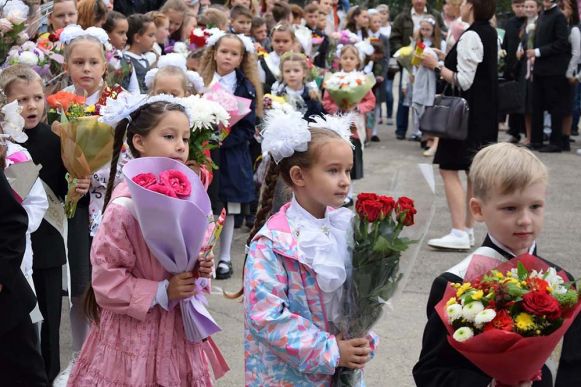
(282, 42)
(144, 42)
(244, 3)
(193, 64)
(242, 25)
(531, 8)
(169, 138)
(325, 6)
(162, 32)
(518, 9)
(426, 30)
(349, 61)
(327, 181)
(513, 219)
(175, 20)
(384, 16)
(362, 20)
(322, 23)
(374, 23)
(63, 14)
(86, 65)
(311, 19)
(169, 84)
(118, 37)
(228, 55)
(297, 20)
(30, 97)
(293, 74)
(260, 33)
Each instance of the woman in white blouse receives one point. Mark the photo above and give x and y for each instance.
(470, 68)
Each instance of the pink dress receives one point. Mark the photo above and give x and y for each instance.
(135, 344)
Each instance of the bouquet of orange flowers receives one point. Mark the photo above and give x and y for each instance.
(86, 143)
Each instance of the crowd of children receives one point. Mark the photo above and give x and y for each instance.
(125, 326)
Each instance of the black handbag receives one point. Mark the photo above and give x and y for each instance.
(448, 118)
(510, 98)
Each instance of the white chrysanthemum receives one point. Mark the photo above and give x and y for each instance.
(463, 334)
(28, 58)
(205, 113)
(454, 312)
(486, 316)
(469, 311)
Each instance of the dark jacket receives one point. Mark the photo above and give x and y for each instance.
(129, 7)
(16, 297)
(235, 173)
(402, 29)
(510, 43)
(441, 365)
(552, 40)
(321, 54)
(44, 147)
(269, 78)
(308, 106)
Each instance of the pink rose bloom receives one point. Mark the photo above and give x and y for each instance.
(177, 181)
(162, 189)
(145, 179)
(5, 25)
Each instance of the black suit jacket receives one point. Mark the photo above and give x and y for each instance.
(441, 365)
(552, 40)
(510, 44)
(16, 297)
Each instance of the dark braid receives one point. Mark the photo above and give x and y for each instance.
(117, 145)
(264, 210)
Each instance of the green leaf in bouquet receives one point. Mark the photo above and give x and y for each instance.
(381, 244)
(516, 291)
(398, 245)
(522, 272)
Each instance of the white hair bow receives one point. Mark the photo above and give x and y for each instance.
(178, 61)
(340, 124)
(216, 34)
(285, 133)
(73, 31)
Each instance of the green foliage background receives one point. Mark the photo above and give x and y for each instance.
(502, 6)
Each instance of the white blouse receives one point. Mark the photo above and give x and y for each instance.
(575, 40)
(470, 55)
(228, 81)
(322, 245)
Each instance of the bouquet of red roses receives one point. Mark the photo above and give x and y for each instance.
(375, 268)
(509, 320)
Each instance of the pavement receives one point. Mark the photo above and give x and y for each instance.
(392, 167)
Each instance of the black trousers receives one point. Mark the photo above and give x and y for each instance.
(552, 94)
(20, 361)
(516, 124)
(48, 284)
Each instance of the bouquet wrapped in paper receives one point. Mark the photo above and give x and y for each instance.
(237, 107)
(404, 57)
(173, 211)
(348, 89)
(86, 143)
(507, 321)
(375, 268)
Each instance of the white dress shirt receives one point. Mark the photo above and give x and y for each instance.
(470, 55)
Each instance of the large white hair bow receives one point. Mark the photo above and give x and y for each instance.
(180, 62)
(285, 133)
(340, 124)
(216, 34)
(73, 31)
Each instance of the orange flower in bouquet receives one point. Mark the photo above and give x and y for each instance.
(63, 100)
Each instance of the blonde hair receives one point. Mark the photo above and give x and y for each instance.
(507, 168)
(213, 17)
(176, 72)
(302, 59)
(15, 73)
(284, 27)
(83, 38)
(353, 49)
(90, 11)
(248, 66)
(158, 18)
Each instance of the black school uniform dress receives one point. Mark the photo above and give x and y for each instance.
(441, 365)
(482, 101)
(48, 245)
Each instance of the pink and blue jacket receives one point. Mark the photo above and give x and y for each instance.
(287, 338)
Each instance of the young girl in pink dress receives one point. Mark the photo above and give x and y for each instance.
(138, 337)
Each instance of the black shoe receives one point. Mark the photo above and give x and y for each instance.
(534, 146)
(238, 220)
(400, 136)
(415, 137)
(550, 149)
(348, 204)
(566, 144)
(375, 139)
(222, 273)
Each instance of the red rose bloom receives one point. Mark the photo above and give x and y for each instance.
(162, 189)
(371, 210)
(178, 182)
(538, 284)
(387, 203)
(405, 210)
(502, 321)
(367, 196)
(145, 179)
(540, 303)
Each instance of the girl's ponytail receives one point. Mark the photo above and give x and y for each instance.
(264, 210)
(91, 308)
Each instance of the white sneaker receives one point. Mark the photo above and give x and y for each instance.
(63, 377)
(471, 237)
(451, 242)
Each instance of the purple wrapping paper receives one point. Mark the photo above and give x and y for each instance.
(174, 231)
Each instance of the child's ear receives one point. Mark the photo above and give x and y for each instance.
(297, 176)
(476, 209)
(138, 143)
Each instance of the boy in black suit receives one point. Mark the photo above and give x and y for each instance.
(21, 363)
(509, 196)
(311, 20)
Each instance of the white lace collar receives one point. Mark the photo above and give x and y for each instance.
(322, 243)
